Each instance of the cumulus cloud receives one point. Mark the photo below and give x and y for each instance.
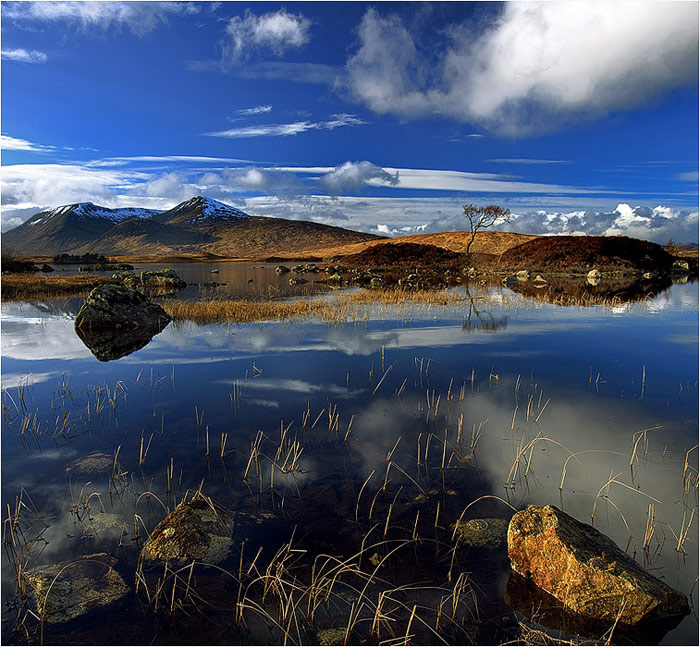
(172, 185)
(353, 176)
(24, 56)
(252, 180)
(285, 130)
(139, 17)
(276, 31)
(535, 67)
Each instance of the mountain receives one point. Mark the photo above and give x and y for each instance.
(197, 226)
(199, 210)
(131, 237)
(67, 228)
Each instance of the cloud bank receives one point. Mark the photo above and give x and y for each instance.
(534, 68)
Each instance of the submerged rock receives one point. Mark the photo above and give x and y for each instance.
(490, 533)
(332, 636)
(70, 589)
(586, 570)
(194, 530)
(95, 463)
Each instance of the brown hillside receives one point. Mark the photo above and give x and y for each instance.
(486, 242)
(402, 255)
(583, 253)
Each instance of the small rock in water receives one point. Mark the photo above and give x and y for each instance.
(585, 570)
(331, 636)
(489, 533)
(92, 464)
(195, 530)
(70, 589)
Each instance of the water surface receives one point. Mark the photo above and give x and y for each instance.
(526, 401)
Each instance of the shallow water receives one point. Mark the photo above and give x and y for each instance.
(234, 279)
(561, 389)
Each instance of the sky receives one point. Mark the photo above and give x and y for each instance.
(385, 117)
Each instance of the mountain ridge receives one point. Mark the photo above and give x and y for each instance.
(196, 226)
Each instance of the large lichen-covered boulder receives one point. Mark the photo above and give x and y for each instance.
(586, 570)
(166, 279)
(70, 589)
(195, 530)
(118, 307)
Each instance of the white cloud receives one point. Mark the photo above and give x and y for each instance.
(159, 159)
(353, 176)
(139, 17)
(24, 56)
(255, 110)
(285, 130)
(43, 185)
(276, 31)
(536, 66)
(169, 185)
(252, 179)
(8, 143)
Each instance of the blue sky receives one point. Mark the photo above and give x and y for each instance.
(384, 117)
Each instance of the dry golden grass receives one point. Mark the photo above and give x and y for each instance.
(20, 287)
(486, 242)
(241, 311)
(343, 307)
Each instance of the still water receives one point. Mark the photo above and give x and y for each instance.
(390, 426)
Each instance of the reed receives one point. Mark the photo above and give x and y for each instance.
(23, 287)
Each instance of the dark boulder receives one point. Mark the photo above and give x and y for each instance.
(117, 307)
(116, 321)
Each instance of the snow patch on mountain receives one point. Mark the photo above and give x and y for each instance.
(90, 210)
(208, 209)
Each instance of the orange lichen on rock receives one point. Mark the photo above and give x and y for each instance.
(586, 570)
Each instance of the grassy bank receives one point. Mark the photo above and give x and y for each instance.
(23, 287)
(344, 307)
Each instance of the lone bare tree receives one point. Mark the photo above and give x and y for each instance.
(482, 218)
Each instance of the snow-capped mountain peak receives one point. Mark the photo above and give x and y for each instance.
(208, 209)
(89, 210)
